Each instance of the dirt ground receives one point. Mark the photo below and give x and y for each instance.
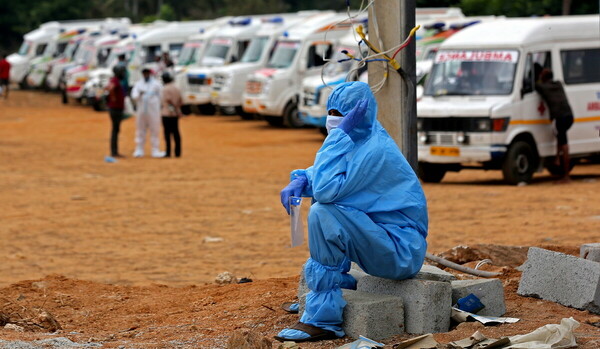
(126, 253)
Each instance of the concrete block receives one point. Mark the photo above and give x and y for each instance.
(429, 272)
(561, 278)
(590, 252)
(427, 303)
(489, 291)
(371, 315)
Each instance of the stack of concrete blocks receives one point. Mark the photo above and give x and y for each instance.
(381, 308)
(562, 278)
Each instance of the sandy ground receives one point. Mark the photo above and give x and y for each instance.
(141, 232)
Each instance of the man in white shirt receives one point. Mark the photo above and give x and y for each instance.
(146, 93)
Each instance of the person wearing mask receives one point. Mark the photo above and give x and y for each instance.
(368, 208)
(146, 92)
(4, 75)
(116, 104)
(171, 111)
(553, 93)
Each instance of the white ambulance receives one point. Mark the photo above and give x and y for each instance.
(229, 81)
(480, 108)
(314, 93)
(153, 43)
(34, 44)
(56, 70)
(225, 47)
(273, 92)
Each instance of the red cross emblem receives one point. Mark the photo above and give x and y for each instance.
(541, 108)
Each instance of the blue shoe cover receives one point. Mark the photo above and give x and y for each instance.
(295, 307)
(291, 334)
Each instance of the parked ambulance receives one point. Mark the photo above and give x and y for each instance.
(229, 81)
(273, 92)
(55, 75)
(315, 89)
(33, 46)
(55, 51)
(191, 56)
(152, 44)
(225, 47)
(95, 54)
(480, 108)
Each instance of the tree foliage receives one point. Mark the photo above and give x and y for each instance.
(21, 16)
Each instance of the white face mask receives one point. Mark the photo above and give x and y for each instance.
(332, 122)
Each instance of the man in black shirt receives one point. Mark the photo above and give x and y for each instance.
(553, 94)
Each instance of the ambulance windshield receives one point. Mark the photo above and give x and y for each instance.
(466, 73)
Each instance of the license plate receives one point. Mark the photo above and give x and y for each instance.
(192, 97)
(444, 151)
(214, 94)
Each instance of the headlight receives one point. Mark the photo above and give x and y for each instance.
(483, 125)
(266, 86)
(423, 137)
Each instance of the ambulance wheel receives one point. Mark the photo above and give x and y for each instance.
(207, 109)
(186, 109)
(431, 173)
(519, 163)
(23, 85)
(245, 116)
(64, 97)
(274, 121)
(291, 117)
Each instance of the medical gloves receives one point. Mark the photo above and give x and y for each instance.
(293, 189)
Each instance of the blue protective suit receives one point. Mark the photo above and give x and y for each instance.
(369, 208)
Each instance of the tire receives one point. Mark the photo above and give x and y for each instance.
(274, 120)
(431, 173)
(186, 109)
(291, 117)
(99, 104)
(245, 116)
(520, 163)
(207, 109)
(64, 97)
(23, 85)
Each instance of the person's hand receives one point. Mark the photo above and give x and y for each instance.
(354, 116)
(295, 188)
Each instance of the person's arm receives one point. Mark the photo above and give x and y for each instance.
(135, 92)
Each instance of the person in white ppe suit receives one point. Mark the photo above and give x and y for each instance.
(146, 92)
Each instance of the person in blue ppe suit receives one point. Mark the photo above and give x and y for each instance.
(368, 207)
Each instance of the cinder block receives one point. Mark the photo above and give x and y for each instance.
(590, 252)
(489, 291)
(561, 278)
(429, 272)
(427, 303)
(372, 315)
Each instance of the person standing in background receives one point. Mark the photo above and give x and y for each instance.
(171, 111)
(146, 92)
(116, 104)
(553, 94)
(122, 63)
(4, 75)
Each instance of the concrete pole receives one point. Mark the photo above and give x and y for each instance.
(398, 114)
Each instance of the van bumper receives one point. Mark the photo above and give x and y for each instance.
(460, 154)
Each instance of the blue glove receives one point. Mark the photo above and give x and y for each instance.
(354, 116)
(295, 188)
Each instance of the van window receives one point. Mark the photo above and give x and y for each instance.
(174, 50)
(472, 72)
(534, 64)
(150, 53)
(580, 66)
(24, 49)
(284, 54)
(317, 52)
(241, 47)
(39, 50)
(255, 49)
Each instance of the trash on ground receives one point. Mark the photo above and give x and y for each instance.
(226, 278)
(470, 303)
(551, 336)
(362, 343)
(210, 239)
(463, 316)
(425, 341)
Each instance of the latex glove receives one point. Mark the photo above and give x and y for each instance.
(354, 116)
(295, 188)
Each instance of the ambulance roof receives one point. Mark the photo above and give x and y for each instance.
(326, 21)
(521, 32)
(172, 31)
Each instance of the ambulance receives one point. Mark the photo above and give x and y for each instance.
(55, 51)
(95, 54)
(273, 91)
(33, 46)
(480, 109)
(191, 56)
(315, 89)
(229, 81)
(56, 69)
(225, 47)
(152, 44)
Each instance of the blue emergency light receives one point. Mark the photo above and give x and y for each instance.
(81, 31)
(243, 21)
(277, 19)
